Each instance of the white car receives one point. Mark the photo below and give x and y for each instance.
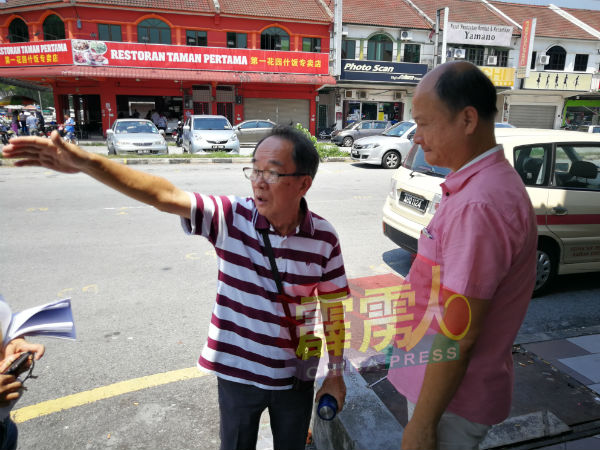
(135, 137)
(387, 149)
(561, 172)
(207, 133)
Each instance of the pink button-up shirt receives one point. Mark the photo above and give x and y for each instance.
(483, 238)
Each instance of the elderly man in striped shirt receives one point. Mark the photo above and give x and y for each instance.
(267, 245)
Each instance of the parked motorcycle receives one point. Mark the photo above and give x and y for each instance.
(178, 134)
(325, 133)
(6, 133)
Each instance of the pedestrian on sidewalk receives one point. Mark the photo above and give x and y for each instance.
(266, 244)
(478, 251)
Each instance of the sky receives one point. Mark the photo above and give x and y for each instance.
(579, 4)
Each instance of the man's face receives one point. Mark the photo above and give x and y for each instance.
(438, 132)
(281, 199)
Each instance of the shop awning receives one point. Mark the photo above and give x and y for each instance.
(49, 72)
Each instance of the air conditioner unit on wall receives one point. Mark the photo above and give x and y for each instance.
(544, 59)
(362, 94)
(492, 60)
(406, 35)
(398, 95)
(349, 94)
(460, 53)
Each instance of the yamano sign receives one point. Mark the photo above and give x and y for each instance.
(478, 34)
(124, 54)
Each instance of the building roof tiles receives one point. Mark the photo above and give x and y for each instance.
(387, 13)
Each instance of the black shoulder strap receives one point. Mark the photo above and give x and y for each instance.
(286, 308)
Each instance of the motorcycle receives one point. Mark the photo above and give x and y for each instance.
(325, 133)
(178, 134)
(6, 133)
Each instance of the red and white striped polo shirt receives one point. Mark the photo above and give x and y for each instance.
(248, 341)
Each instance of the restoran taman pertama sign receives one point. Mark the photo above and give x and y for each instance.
(159, 56)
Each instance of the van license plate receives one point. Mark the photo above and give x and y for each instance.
(414, 201)
(218, 147)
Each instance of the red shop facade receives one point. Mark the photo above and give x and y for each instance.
(102, 80)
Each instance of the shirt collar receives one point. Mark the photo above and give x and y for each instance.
(456, 180)
(306, 226)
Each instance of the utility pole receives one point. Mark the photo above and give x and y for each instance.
(337, 38)
(437, 58)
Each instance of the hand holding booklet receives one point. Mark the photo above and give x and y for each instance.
(54, 319)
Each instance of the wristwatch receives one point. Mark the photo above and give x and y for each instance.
(340, 366)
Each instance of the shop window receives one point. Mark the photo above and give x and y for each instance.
(311, 45)
(348, 49)
(581, 62)
(194, 37)
(557, 56)
(475, 55)
(502, 58)
(54, 28)
(533, 60)
(154, 31)
(274, 39)
(380, 48)
(237, 40)
(17, 31)
(412, 53)
(109, 32)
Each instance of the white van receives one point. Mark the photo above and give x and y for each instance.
(560, 170)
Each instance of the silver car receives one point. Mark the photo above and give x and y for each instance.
(206, 133)
(387, 149)
(249, 132)
(135, 136)
(357, 130)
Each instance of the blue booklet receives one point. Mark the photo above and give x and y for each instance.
(54, 319)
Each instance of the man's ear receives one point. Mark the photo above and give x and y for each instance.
(470, 118)
(306, 184)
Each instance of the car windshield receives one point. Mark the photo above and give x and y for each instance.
(351, 126)
(211, 124)
(399, 129)
(135, 127)
(417, 163)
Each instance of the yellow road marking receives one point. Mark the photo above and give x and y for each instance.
(112, 390)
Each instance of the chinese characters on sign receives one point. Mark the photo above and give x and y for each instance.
(122, 54)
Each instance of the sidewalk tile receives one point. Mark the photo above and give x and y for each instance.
(591, 343)
(588, 366)
(554, 350)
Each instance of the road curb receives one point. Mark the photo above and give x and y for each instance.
(153, 161)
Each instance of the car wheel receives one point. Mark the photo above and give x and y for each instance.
(347, 142)
(547, 267)
(391, 160)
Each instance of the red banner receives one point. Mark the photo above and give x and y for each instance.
(48, 53)
(527, 36)
(121, 54)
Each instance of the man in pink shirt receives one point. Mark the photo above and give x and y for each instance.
(476, 262)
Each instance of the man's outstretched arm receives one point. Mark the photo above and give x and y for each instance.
(58, 155)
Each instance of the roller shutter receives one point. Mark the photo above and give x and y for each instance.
(532, 116)
(282, 111)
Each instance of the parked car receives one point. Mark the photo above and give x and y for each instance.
(589, 128)
(135, 136)
(387, 149)
(249, 132)
(357, 130)
(503, 125)
(560, 170)
(206, 133)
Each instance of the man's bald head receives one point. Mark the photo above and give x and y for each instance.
(459, 84)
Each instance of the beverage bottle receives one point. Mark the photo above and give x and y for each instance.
(327, 408)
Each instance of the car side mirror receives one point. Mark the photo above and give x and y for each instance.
(186, 127)
(161, 132)
(109, 131)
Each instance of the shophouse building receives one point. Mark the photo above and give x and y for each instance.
(245, 60)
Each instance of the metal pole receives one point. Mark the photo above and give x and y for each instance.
(445, 33)
(436, 41)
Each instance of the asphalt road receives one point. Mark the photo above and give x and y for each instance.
(142, 293)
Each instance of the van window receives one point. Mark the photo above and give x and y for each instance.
(532, 163)
(577, 166)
